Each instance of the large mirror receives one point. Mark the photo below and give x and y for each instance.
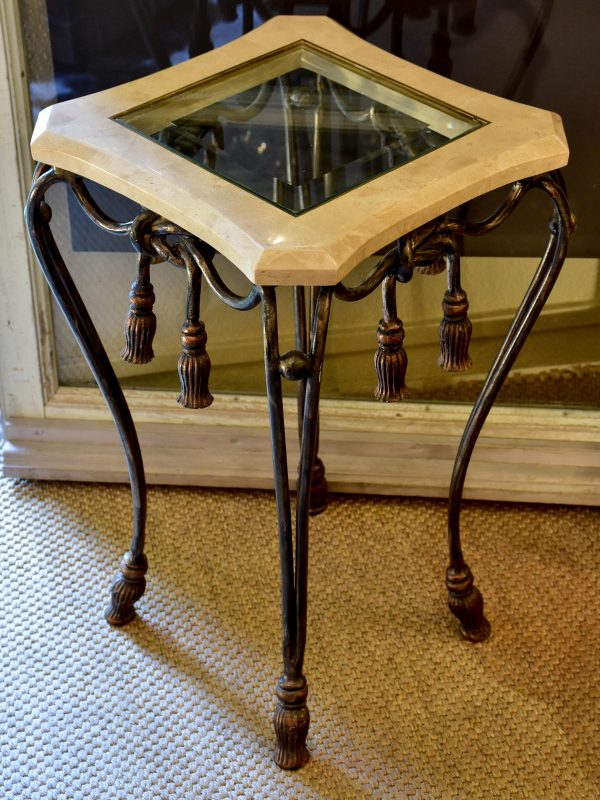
(531, 51)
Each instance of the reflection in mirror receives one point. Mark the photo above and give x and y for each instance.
(300, 126)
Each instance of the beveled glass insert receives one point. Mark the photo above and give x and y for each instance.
(300, 126)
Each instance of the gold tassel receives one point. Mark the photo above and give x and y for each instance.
(140, 325)
(194, 363)
(194, 367)
(455, 333)
(390, 357)
(455, 328)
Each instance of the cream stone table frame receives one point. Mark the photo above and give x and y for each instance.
(189, 211)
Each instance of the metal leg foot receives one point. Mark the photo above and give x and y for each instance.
(291, 721)
(466, 603)
(128, 587)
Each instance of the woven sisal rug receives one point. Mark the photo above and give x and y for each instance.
(179, 703)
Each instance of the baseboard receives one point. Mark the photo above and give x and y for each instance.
(531, 455)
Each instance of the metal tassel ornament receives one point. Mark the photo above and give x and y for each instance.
(140, 325)
(194, 362)
(390, 357)
(455, 328)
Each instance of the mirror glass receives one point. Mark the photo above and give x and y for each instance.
(533, 51)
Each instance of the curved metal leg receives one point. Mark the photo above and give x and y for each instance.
(129, 585)
(291, 718)
(464, 599)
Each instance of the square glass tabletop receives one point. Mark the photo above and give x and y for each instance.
(300, 126)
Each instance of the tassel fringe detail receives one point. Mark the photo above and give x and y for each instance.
(194, 367)
(390, 362)
(140, 325)
(455, 333)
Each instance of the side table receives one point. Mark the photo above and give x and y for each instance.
(297, 151)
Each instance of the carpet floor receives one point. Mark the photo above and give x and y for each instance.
(178, 704)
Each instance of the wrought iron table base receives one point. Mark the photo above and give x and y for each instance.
(430, 249)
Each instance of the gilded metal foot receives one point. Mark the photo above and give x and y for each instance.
(291, 720)
(127, 589)
(466, 603)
